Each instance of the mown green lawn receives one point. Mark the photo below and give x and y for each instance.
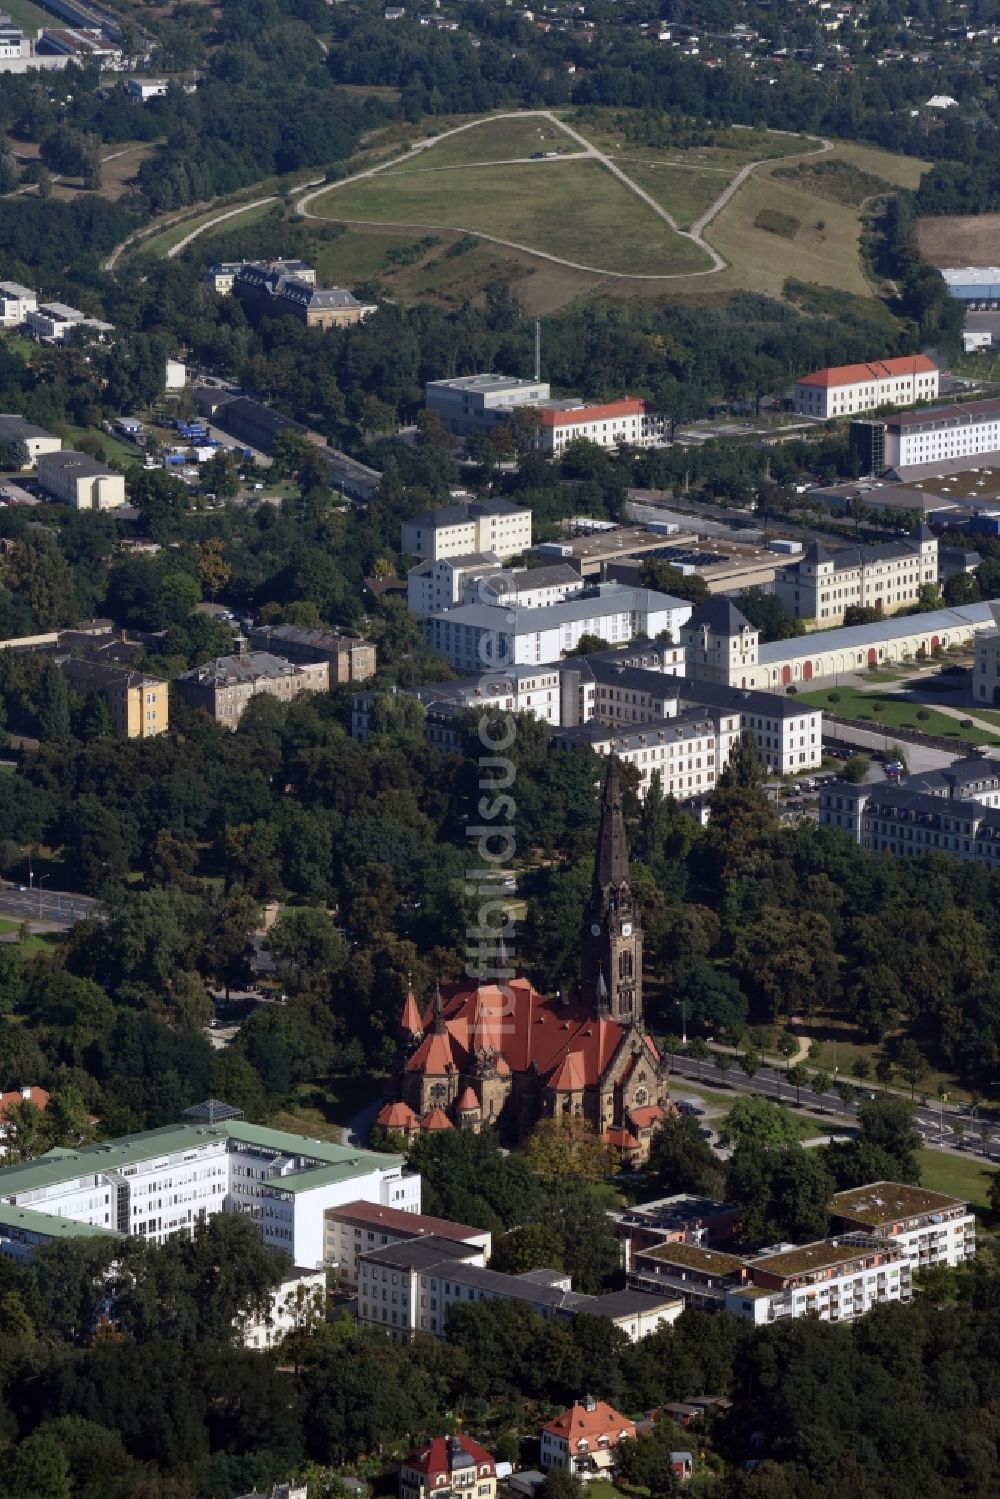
(892, 712)
(963, 1176)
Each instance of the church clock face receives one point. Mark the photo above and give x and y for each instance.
(595, 930)
(626, 928)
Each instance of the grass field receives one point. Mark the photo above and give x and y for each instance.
(495, 140)
(112, 447)
(31, 17)
(963, 1176)
(575, 210)
(896, 713)
(681, 191)
(959, 239)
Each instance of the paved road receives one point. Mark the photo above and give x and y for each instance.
(936, 1125)
(58, 909)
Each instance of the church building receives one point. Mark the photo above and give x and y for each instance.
(505, 1057)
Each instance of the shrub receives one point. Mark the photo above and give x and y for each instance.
(923, 715)
(833, 697)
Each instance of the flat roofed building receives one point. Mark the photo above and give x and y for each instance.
(939, 435)
(701, 1277)
(225, 686)
(79, 480)
(16, 301)
(357, 1228)
(931, 1228)
(51, 322)
(474, 403)
(164, 1181)
(834, 1280)
(847, 389)
(682, 1219)
(36, 439)
(138, 703)
(492, 525)
(976, 285)
(350, 658)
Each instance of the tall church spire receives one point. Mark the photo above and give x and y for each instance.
(611, 864)
(611, 947)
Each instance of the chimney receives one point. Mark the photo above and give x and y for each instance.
(589, 1403)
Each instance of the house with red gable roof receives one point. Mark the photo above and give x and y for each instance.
(454, 1465)
(850, 389)
(583, 1439)
(486, 1055)
(8, 1101)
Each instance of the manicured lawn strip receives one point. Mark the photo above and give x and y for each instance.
(494, 140)
(895, 713)
(575, 210)
(962, 1176)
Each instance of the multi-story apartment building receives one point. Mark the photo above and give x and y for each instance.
(359, 1228)
(16, 301)
(955, 811)
(139, 704)
(492, 525)
(836, 1280)
(297, 1302)
(480, 637)
(225, 686)
(942, 434)
(583, 1439)
(930, 1228)
(79, 480)
(474, 403)
(409, 1287)
(164, 1181)
(448, 1468)
(350, 658)
(822, 585)
(852, 388)
(687, 751)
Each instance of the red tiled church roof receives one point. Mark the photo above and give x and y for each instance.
(396, 1116)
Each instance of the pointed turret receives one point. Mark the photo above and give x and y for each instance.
(410, 1023)
(438, 1024)
(601, 992)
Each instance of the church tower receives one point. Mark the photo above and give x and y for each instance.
(612, 933)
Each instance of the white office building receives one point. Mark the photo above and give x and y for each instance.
(457, 530)
(439, 584)
(16, 301)
(849, 389)
(478, 637)
(51, 322)
(164, 1181)
(941, 434)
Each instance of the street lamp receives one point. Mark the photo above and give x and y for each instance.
(684, 1022)
(41, 880)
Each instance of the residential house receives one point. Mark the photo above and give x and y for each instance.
(452, 1467)
(583, 1440)
(350, 658)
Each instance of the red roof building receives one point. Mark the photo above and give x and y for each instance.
(505, 1056)
(853, 389)
(583, 1439)
(448, 1465)
(612, 424)
(37, 1096)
